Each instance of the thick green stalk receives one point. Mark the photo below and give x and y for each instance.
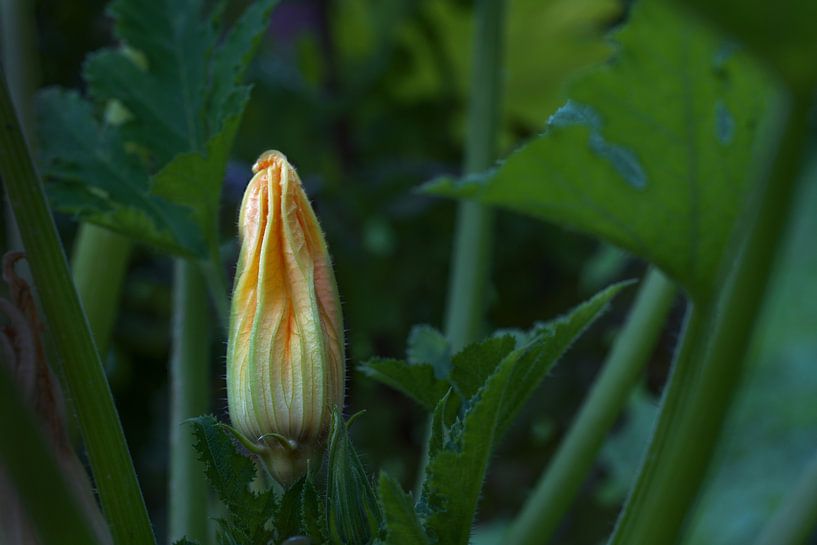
(18, 44)
(472, 244)
(99, 262)
(676, 390)
(558, 487)
(108, 454)
(683, 444)
(796, 519)
(189, 382)
(27, 460)
(19, 49)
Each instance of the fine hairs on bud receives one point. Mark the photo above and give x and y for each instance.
(285, 353)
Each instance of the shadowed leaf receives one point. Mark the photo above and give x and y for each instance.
(652, 152)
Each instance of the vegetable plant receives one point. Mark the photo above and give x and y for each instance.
(673, 139)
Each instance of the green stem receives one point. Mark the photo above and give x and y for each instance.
(28, 461)
(796, 519)
(18, 44)
(20, 60)
(558, 487)
(471, 255)
(217, 284)
(189, 382)
(108, 454)
(683, 444)
(99, 261)
(472, 243)
(676, 390)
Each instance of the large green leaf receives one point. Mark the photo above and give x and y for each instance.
(97, 180)
(152, 166)
(459, 450)
(652, 152)
(782, 33)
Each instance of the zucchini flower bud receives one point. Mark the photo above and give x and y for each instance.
(285, 354)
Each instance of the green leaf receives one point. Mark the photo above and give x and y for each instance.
(455, 472)
(161, 76)
(416, 381)
(230, 474)
(402, 525)
(195, 170)
(353, 514)
(153, 168)
(459, 453)
(313, 514)
(651, 153)
(476, 362)
(554, 338)
(443, 417)
(301, 513)
(288, 518)
(100, 182)
(427, 345)
(781, 33)
(230, 61)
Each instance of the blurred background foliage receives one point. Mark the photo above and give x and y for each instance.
(367, 99)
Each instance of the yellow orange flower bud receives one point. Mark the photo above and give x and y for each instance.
(285, 354)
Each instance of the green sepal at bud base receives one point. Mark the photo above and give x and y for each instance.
(353, 512)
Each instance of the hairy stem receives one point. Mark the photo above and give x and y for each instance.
(559, 486)
(472, 243)
(108, 454)
(99, 262)
(189, 383)
(683, 444)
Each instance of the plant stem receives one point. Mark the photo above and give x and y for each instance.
(189, 382)
(676, 390)
(472, 243)
(20, 61)
(99, 261)
(217, 284)
(796, 519)
(682, 446)
(471, 255)
(27, 459)
(558, 487)
(108, 454)
(18, 44)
